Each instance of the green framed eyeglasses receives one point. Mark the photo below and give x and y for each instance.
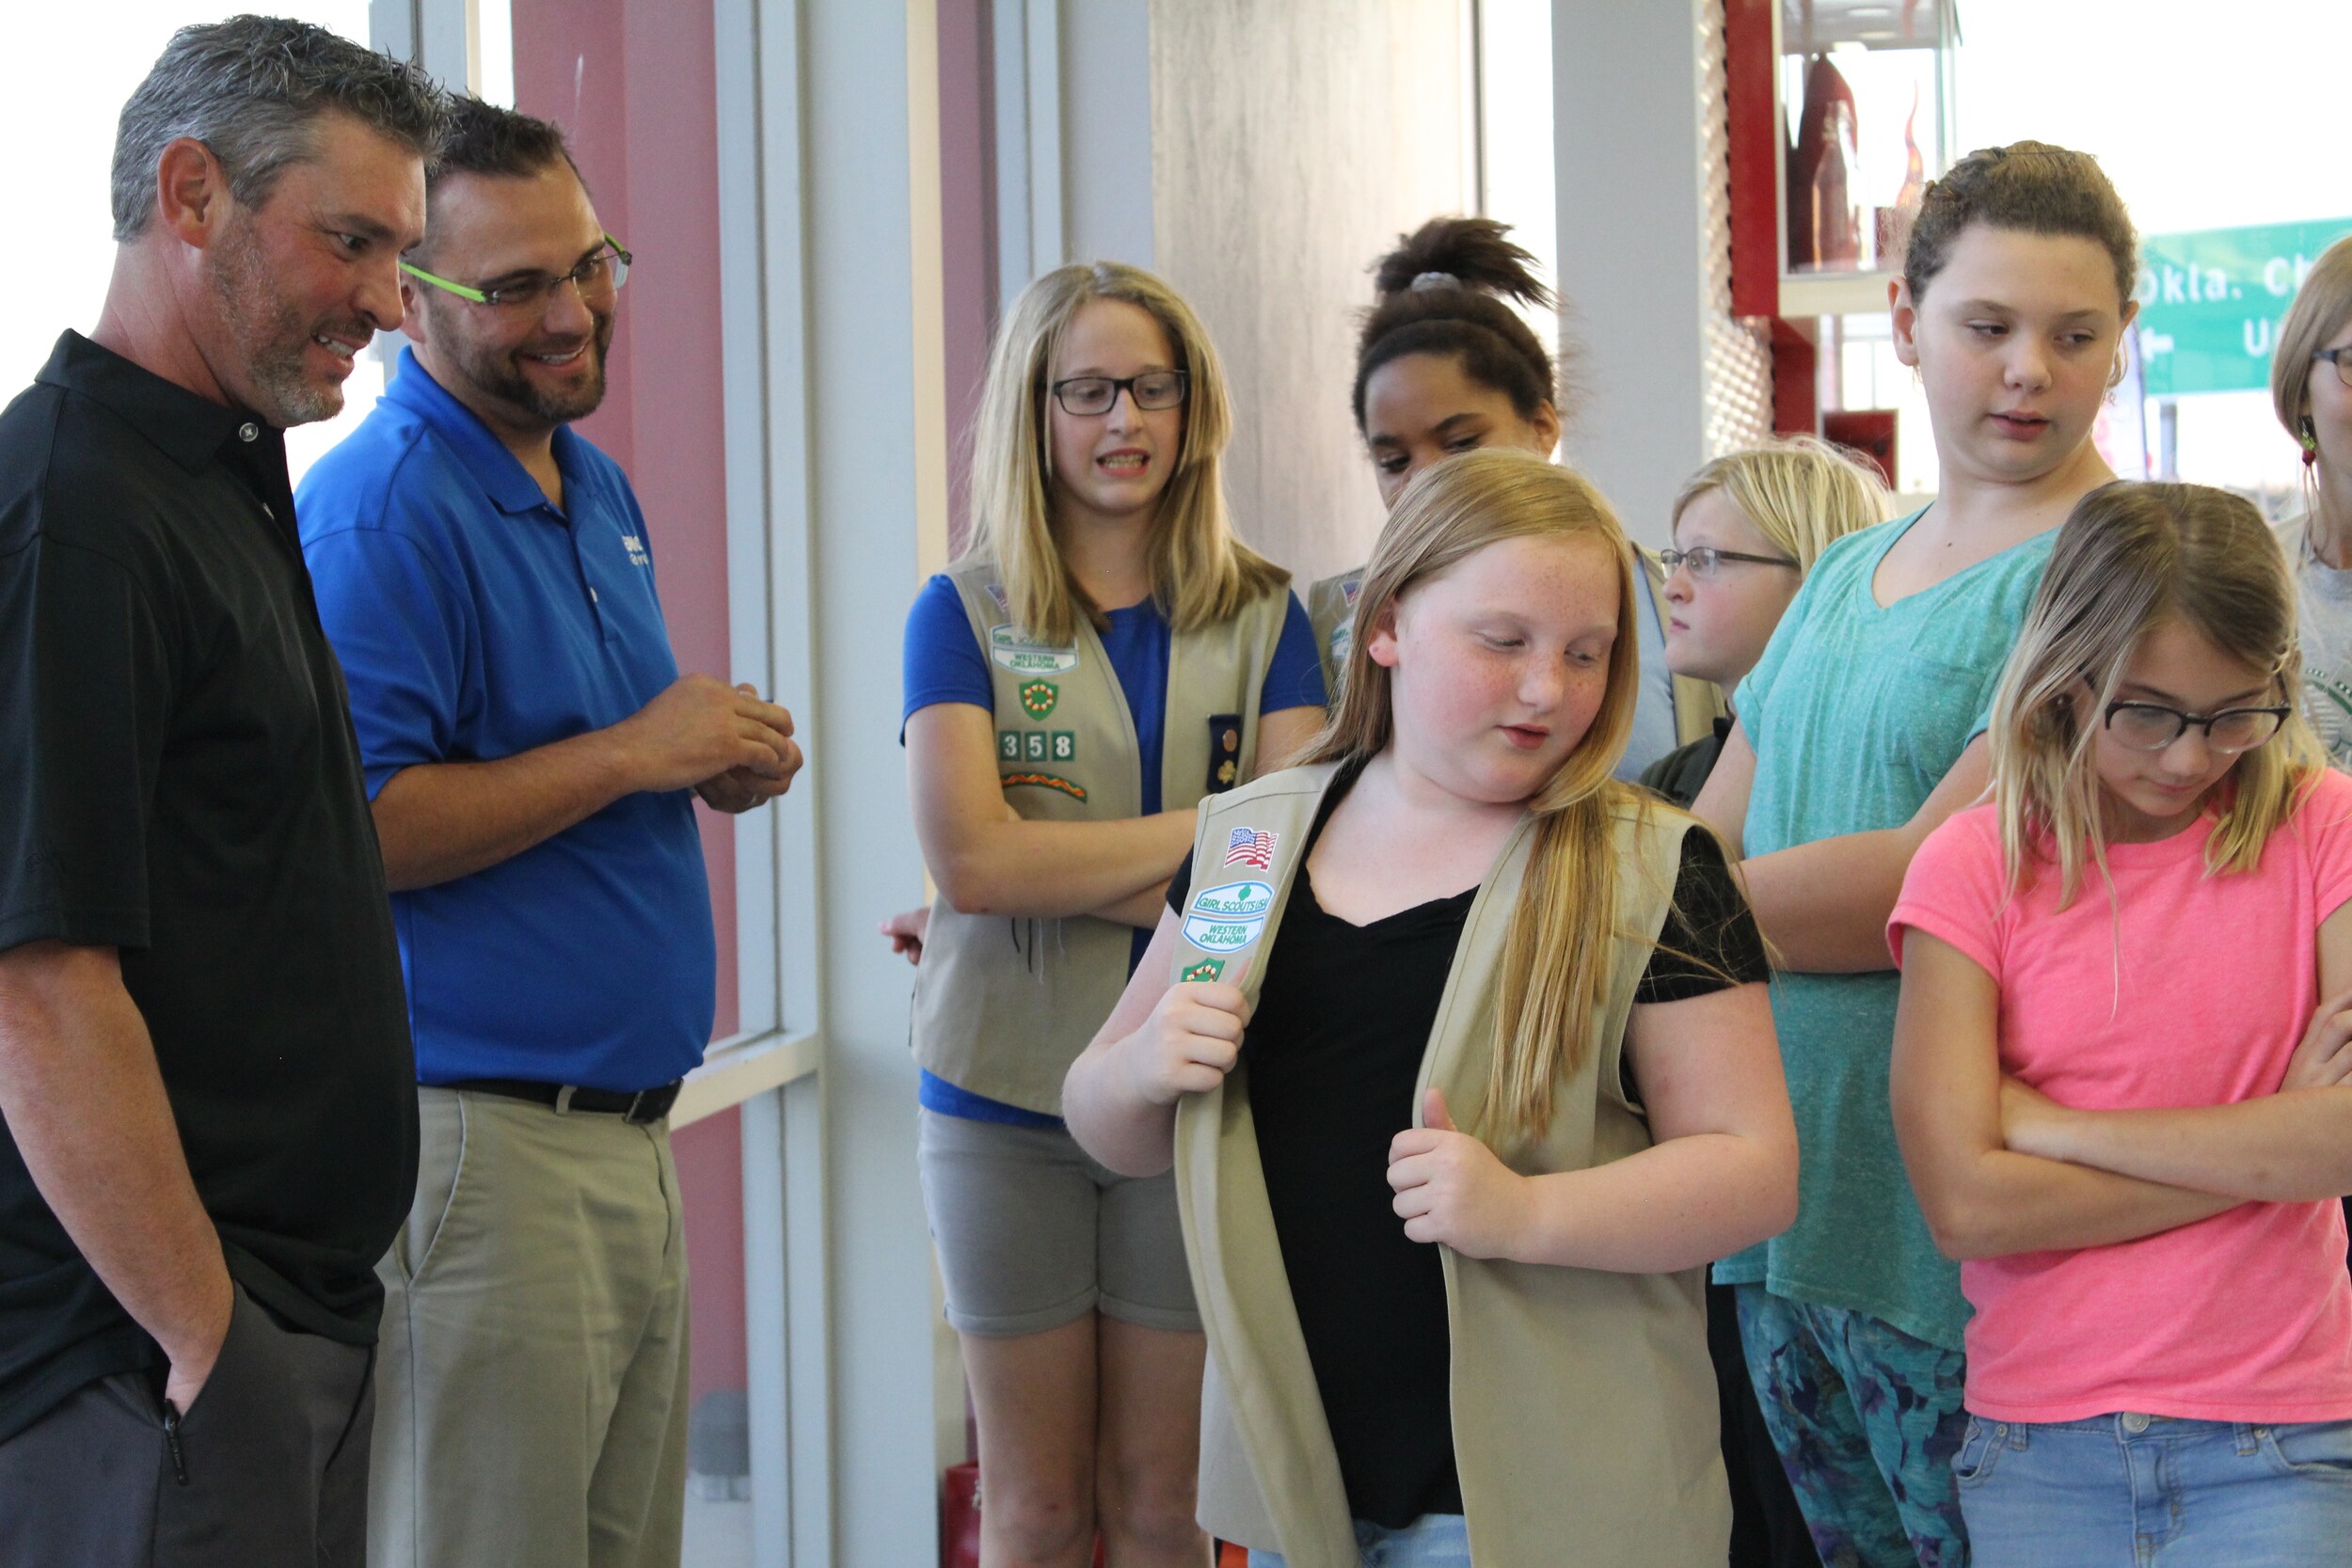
(599, 276)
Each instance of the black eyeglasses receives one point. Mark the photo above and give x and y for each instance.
(1705, 558)
(2151, 726)
(2342, 359)
(1086, 395)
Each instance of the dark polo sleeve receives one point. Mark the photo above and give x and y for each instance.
(84, 690)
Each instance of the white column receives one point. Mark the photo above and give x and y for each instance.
(1628, 92)
(837, 456)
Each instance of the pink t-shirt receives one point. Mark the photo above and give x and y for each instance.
(2199, 998)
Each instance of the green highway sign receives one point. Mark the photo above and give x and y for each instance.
(2210, 302)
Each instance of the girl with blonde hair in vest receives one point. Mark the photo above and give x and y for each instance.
(2125, 1107)
(1104, 654)
(1459, 1050)
(1445, 364)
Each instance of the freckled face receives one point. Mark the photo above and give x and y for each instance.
(1499, 664)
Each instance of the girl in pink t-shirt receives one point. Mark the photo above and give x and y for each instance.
(2120, 1100)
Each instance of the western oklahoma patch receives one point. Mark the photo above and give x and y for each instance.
(1229, 917)
(1025, 655)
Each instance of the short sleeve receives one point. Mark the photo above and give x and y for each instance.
(1295, 679)
(86, 693)
(942, 660)
(1710, 941)
(2327, 820)
(403, 631)
(1955, 891)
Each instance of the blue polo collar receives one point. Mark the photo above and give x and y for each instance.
(499, 473)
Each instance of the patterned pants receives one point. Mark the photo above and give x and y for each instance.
(1868, 1420)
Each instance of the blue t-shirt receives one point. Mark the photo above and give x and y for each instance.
(1857, 711)
(475, 621)
(944, 663)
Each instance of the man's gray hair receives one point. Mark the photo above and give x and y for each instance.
(252, 89)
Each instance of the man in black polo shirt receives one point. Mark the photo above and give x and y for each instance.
(204, 1059)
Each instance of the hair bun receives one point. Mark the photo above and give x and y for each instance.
(1469, 253)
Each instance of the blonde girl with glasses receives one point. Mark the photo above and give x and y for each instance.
(2122, 1104)
(1746, 529)
(1106, 655)
(2310, 387)
(1459, 1050)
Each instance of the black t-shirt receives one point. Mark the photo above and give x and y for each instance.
(179, 780)
(1332, 1055)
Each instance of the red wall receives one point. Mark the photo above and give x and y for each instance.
(632, 84)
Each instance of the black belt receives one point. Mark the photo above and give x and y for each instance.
(644, 1106)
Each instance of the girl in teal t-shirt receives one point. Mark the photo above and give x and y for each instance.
(1859, 732)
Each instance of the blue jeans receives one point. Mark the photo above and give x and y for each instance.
(1432, 1541)
(2135, 1490)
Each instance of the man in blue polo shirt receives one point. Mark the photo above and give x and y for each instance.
(531, 755)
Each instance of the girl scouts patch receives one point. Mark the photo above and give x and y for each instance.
(1038, 697)
(1207, 969)
(1228, 918)
(1025, 655)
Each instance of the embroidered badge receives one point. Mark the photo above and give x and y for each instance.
(1230, 917)
(996, 592)
(1026, 656)
(1038, 697)
(1045, 780)
(1207, 969)
(1350, 590)
(1224, 753)
(1251, 846)
(1037, 745)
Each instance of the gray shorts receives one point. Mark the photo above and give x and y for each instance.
(1032, 1233)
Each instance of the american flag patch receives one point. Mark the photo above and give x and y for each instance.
(1251, 846)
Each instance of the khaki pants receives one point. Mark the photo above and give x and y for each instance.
(530, 1382)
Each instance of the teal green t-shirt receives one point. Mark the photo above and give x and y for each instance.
(1857, 711)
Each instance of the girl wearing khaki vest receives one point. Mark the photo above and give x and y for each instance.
(1106, 655)
(1459, 1050)
(1445, 364)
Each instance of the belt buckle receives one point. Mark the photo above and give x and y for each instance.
(563, 1099)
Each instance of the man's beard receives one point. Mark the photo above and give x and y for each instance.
(497, 373)
(270, 334)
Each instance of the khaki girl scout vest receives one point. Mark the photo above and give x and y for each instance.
(1584, 1416)
(1331, 607)
(1004, 1005)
